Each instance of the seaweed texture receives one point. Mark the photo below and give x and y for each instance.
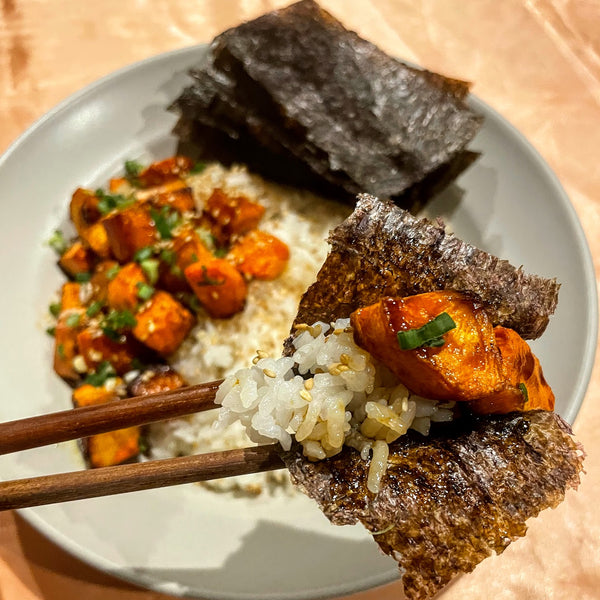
(452, 499)
(360, 121)
(382, 250)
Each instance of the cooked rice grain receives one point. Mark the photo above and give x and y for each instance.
(361, 405)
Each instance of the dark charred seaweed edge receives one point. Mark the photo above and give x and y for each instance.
(264, 83)
(451, 499)
(381, 250)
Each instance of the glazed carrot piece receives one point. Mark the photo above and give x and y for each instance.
(113, 447)
(123, 289)
(70, 321)
(76, 259)
(218, 285)
(116, 184)
(189, 248)
(162, 323)
(155, 379)
(476, 363)
(101, 277)
(96, 348)
(65, 348)
(186, 248)
(166, 170)
(528, 389)
(175, 194)
(466, 367)
(86, 216)
(231, 216)
(129, 230)
(70, 296)
(260, 255)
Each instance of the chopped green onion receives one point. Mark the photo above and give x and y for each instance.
(206, 237)
(115, 321)
(110, 202)
(165, 221)
(168, 256)
(73, 320)
(145, 291)
(103, 372)
(143, 253)
(190, 300)
(111, 273)
(198, 168)
(143, 444)
(54, 309)
(94, 308)
(430, 335)
(61, 350)
(150, 268)
(57, 242)
(133, 168)
(524, 391)
(51, 331)
(220, 252)
(83, 277)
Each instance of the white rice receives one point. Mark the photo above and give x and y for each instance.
(328, 394)
(219, 347)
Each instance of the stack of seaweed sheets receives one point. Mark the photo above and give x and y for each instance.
(302, 99)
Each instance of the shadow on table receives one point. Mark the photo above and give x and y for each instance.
(264, 565)
(49, 560)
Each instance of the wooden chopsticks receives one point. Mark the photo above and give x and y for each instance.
(83, 422)
(106, 481)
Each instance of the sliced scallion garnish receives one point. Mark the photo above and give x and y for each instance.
(111, 272)
(143, 253)
(82, 277)
(54, 309)
(524, 391)
(103, 372)
(94, 308)
(430, 335)
(73, 320)
(144, 291)
(57, 242)
(150, 268)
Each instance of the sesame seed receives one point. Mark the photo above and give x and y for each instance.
(270, 373)
(261, 354)
(301, 326)
(334, 369)
(348, 329)
(309, 383)
(79, 364)
(305, 395)
(345, 358)
(255, 360)
(338, 331)
(342, 368)
(315, 330)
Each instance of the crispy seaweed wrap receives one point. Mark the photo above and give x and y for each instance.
(360, 121)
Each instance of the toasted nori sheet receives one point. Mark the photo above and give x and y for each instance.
(360, 120)
(382, 250)
(451, 499)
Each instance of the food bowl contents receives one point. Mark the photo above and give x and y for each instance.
(296, 95)
(171, 256)
(348, 383)
(424, 417)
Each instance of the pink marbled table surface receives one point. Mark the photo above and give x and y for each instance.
(535, 61)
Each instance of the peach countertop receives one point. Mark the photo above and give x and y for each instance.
(536, 61)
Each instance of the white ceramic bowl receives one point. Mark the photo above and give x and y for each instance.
(186, 540)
